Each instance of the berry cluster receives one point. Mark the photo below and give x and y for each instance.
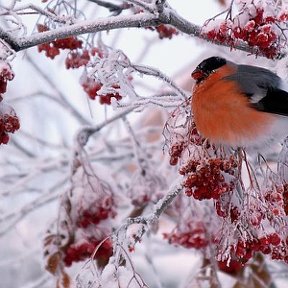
(270, 244)
(52, 49)
(92, 87)
(175, 152)
(206, 180)
(233, 268)
(259, 31)
(82, 251)
(275, 200)
(192, 138)
(86, 222)
(223, 210)
(9, 123)
(77, 59)
(97, 212)
(106, 99)
(195, 138)
(6, 74)
(192, 236)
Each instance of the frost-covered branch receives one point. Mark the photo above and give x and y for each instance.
(82, 27)
(154, 15)
(157, 211)
(158, 74)
(85, 132)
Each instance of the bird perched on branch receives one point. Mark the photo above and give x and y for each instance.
(239, 105)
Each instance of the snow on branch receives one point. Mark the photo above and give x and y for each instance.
(83, 27)
(152, 15)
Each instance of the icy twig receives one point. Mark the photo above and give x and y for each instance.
(158, 209)
(158, 74)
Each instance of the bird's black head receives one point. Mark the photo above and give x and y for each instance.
(206, 67)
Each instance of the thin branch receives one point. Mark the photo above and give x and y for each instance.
(158, 74)
(158, 209)
(151, 218)
(85, 132)
(163, 203)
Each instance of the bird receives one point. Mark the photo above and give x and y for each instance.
(239, 105)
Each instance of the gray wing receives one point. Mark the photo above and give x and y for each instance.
(263, 89)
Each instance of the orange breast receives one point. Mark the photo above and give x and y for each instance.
(223, 115)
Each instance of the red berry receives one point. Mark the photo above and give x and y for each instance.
(274, 239)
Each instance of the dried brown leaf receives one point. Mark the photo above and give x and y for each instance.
(53, 263)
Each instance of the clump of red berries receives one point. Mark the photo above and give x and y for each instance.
(232, 269)
(192, 236)
(259, 31)
(6, 74)
(92, 87)
(206, 179)
(52, 49)
(275, 200)
(83, 250)
(103, 209)
(107, 98)
(224, 210)
(77, 59)
(9, 122)
(195, 138)
(175, 152)
(270, 244)
(220, 34)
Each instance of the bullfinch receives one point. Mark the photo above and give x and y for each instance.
(239, 105)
